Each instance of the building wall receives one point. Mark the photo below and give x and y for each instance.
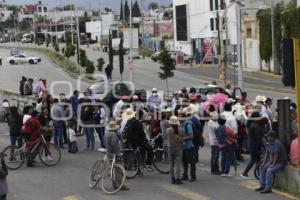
(107, 21)
(94, 28)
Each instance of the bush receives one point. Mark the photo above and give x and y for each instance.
(100, 65)
(90, 68)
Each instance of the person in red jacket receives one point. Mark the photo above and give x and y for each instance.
(33, 127)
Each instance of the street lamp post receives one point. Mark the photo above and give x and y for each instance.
(130, 54)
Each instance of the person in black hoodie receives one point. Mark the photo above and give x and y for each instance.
(21, 87)
(15, 122)
(254, 142)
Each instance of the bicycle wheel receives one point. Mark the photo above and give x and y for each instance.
(50, 156)
(95, 175)
(113, 179)
(161, 162)
(15, 157)
(131, 164)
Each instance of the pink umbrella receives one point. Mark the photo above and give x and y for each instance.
(220, 99)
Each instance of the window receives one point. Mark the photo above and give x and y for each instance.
(212, 24)
(45, 9)
(181, 23)
(216, 4)
(211, 5)
(249, 33)
(223, 5)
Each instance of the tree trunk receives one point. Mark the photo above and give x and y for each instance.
(167, 85)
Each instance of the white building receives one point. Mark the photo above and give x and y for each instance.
(107, 20)
(41, 9)
(5, 14)
(94, 28)
(196, 27)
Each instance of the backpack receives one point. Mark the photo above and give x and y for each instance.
(198, 138)
(221, 136)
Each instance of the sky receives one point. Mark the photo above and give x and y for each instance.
(94, 4)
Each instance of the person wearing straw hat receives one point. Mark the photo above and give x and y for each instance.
(112, 143)
(174, 149)
(188, 153)
(134, 135)
(118, 107)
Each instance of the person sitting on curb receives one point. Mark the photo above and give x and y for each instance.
(275, 159)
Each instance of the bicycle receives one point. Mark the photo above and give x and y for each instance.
(133, 160)
(111, 174)
(257, 172)
(17, 155)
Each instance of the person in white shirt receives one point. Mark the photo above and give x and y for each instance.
(72, 143)
(118, 107)
(215, 151)
(230, 119)
(269, 103)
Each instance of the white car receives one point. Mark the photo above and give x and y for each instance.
(21, 58)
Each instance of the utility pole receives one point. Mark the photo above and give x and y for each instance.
(72, 31)
(221, 48)
(143, 27)
(239, 44)
(131, 60)
(273, 60)
(78, 43)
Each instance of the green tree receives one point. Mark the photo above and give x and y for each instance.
(24, 25)
(126, 11)
(121, 57)
(136, 11)
(265, 31)
(167, 67)
(82, 58)
(90, 68)
(121, 11)
(153, 6)
(70, 51)
(55, 46)
(110, 53)
(100, 64)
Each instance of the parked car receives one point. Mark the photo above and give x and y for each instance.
(21, 58)
(134, 54)
(187, 58)
(155, 57)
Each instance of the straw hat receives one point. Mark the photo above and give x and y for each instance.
(260, 98)
(154, 90)
(189, 110)
(112, 126)
(174, 120)
(128, 114)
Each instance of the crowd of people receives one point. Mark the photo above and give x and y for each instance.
(234, 127)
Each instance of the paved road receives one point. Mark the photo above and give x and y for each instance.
(69, 181)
